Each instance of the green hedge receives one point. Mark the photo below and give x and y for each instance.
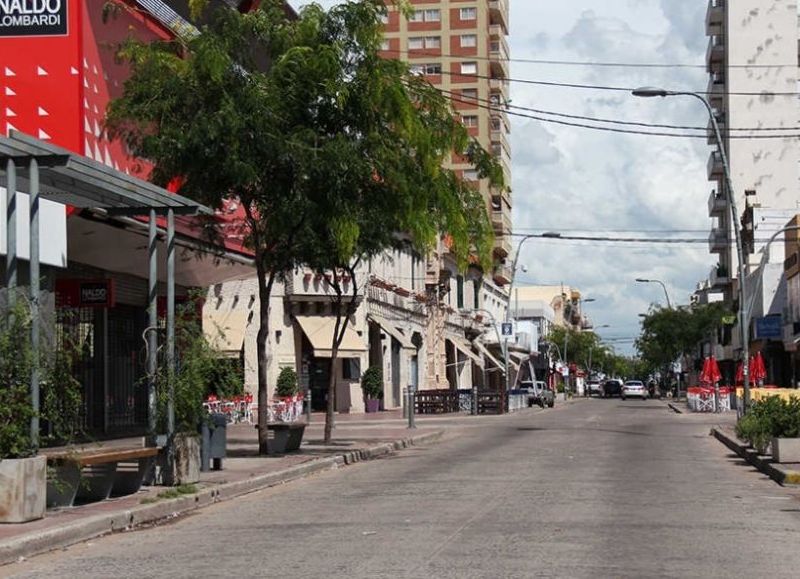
(770, 418)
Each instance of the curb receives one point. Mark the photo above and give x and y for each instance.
(37, 543)
(781, 475)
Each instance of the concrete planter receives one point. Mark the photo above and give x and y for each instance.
(185, 468)
(23, 489)
(786, 450)
(373, 405)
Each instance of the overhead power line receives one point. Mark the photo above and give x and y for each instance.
(606, 87)
(586, 63)
(475, 100)
(614, 129)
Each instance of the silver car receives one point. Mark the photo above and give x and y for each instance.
(633, 389)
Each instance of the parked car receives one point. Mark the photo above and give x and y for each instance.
(633, 389)
(594, 388)
(611, 388)
(538, 393)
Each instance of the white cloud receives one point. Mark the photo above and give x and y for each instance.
(568, 178)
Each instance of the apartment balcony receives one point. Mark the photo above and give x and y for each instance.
(717, 204)
(711, 138)
(715, 16)
(305, 285)
(501, 221)
(499, 86)
(716, 90)
(498, 14)
(719, 277)
(718, 240)
(496, 31)
(502, 246)
(498, 129)
(498, 57)
(714, 166)
(715, 53)
(502, 274)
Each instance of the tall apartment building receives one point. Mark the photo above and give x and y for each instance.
(752, 60)
(460, 46)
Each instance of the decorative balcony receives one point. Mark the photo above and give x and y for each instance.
(715, 53)
(719, 277)
(716, 90)
(717, 204)
(714, 167)
(501, 221)
(721, 123)
(715, 16)
(498, 13)
(502, 246)
(718, 240)
(305, 285)
(502, 274)
(498, 57)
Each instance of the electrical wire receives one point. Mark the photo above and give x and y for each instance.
(435, 53)
(473, 100)
(616, 129)
(605, 87)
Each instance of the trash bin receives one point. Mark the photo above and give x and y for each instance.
(214, 441)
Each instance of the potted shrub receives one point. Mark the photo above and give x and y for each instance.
(372, 387)
(287, 435)
(286, 386)
(22, 473)
(198, 364)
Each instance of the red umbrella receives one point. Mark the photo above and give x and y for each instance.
(740, 373)
(758, 371)
(713, 372)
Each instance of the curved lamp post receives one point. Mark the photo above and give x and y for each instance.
(649, 92)
(522, 241)
(666, 294)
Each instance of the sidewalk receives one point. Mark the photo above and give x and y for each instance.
(356, 438)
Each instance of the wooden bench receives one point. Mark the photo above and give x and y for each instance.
(94, 474)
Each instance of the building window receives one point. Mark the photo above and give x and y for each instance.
(469, 40)
(423, 69)
(476, 295)
(460, 292)
(385, 45)
(433, 42)
(497, 124)
(469, 68)
(416, 42)
(470, 175)
(469, 94)
(384, 19)
(432, 15)
(468, 13)
(469, 121)
(351, 369)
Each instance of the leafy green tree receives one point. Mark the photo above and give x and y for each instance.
(330, 150)
(668, 333)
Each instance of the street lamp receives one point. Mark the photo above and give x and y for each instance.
(643, 280)
(547, 234)
(649, 92)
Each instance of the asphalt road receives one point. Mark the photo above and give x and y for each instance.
(600, 488)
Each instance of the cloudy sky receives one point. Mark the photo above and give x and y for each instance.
(578, 181)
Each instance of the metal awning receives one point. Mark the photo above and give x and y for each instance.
(393, 331)
(485, 351)
(45, 171)
(466, 348)
(76, 180)
(319, 331)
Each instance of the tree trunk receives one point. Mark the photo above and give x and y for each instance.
(265, 282)
(331, 406)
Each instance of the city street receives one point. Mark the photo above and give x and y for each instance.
(598, 488)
